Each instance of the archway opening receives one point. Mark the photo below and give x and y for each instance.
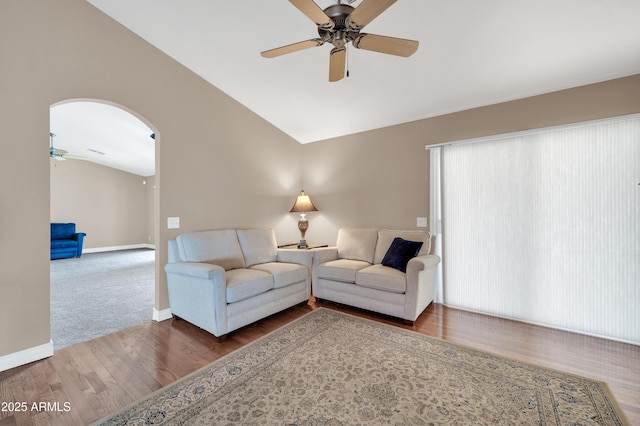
(102, 178)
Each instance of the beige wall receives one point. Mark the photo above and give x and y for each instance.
(380, 178)
(150, 205)
(219, 165)
(109, 205)
(376, 179)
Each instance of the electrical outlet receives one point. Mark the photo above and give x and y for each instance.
(173, 222)
(421, 222)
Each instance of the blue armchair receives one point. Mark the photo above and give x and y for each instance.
(65, 241)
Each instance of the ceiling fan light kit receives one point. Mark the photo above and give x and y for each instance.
(340, 24)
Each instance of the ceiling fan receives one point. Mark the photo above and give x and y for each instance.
(60, 154)
(340, 24)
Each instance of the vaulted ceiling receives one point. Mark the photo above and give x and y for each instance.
(472, 53)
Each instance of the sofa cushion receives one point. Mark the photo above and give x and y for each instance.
(58, 244)
(357, 243)
(381, 277)
(341, 270)
(400, 252)
(219, 247)
(258, 246)
(245, 283)
(61, 231)
(386, 237)
(284, 274)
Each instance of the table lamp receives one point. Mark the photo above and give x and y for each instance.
(303, 205)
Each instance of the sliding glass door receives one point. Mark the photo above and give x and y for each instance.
(544, 227)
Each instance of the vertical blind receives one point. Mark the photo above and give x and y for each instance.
(544, 227)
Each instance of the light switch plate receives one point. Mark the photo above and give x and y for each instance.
(421, 222)
(173, 222)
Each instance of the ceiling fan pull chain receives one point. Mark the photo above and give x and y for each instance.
(348, 59)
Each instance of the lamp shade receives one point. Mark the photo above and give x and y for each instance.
(303, 204)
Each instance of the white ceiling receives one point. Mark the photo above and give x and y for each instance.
(472, 53)
(121, 140)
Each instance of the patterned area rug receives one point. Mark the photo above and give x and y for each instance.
(330, 368)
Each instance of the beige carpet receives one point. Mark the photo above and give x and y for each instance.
(330, 368)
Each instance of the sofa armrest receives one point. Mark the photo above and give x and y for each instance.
(324, 254)
(302, 257)
(79, 237)
(198, 294)
(421, 263)
(320, 256)
(421, 277)
(205, 271)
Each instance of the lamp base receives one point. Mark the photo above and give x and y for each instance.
(303, 225)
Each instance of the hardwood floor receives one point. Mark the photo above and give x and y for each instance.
(85, 382)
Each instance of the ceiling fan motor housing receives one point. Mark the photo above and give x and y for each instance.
(339, 35)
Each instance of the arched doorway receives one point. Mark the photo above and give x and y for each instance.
(105, 183)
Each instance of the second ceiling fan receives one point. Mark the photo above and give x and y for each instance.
(340, 24)
(60, 154)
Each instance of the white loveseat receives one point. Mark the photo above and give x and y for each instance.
(222, 280)
(355, 271)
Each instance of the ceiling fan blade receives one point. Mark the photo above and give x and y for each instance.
(74, 157)
(367, 12)
(290, 48)
(384, 44)
(313, 12)
(337, 62)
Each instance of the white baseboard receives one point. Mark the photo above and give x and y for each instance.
(116, 248)
(162, 315)
(26, 356)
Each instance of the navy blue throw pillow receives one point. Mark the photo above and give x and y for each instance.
(400, 252)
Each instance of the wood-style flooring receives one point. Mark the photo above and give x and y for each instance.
(83, 383)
